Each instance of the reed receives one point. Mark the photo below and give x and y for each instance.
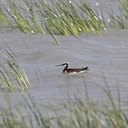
(118, 18)
(4, 22)
(63, 17)
(12, 74)
(83, 113)
(27, 115)
(123, 20)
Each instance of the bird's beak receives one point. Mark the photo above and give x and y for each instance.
(60, 65)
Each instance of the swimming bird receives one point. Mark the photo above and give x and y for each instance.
(72, 70)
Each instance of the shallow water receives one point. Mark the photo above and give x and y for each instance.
(106, 56)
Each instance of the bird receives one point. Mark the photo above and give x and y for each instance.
(72, 70)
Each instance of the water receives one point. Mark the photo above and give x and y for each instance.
(105, 55)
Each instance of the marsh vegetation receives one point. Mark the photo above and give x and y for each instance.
(61, 17)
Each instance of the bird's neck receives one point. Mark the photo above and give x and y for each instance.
(65, 68)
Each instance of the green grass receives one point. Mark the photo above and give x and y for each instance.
(4, 22)
(79, 113)
(123, 19)
(116, 17)
(63, 17)
(12, 74)
(83, 113)
(60, 17)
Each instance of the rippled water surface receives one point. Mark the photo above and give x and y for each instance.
(106, 56)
